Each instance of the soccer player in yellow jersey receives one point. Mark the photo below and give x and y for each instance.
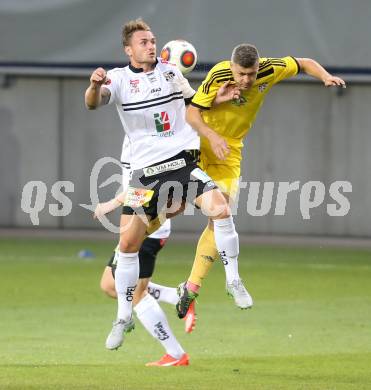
(247, 79)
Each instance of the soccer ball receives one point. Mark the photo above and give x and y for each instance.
(181, 53)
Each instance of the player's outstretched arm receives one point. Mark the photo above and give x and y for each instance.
(218, 144)
(95, 95)
(314, 69)
(107, 207)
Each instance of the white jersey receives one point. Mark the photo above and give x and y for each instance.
(165, 229)
(125, 157)
(152, 111)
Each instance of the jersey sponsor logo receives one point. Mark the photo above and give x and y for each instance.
(134, 86)
(162, 124)
(262, 87)
(138, 197)
(155, 90)
(240, 101)
(169, 75)
(164, 167)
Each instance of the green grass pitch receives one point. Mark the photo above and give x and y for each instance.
(310, 327)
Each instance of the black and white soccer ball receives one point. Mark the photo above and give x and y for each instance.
(181, 53)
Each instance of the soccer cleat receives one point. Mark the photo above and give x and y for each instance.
(168, 361)
(116, 336)
(241, 297)
(190, 318)
(186, 297)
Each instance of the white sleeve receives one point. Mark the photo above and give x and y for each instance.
(112, 85)
(184, 85)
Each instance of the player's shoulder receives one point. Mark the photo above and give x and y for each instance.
(276, 65)
(267, 66)
(163, 64)
(117, 73)
(221, 67)
(218, 74)
(220, 71)
(265, 62)
(117, 70)
(168, 69)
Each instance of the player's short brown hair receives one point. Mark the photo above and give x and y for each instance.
(245, 55)
(131, 27)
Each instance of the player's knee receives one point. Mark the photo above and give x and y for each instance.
(221, 211)
(225, 212)
(128, 246)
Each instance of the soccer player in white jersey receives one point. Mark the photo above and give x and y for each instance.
(147, 256)
(149, 313)
(149, 96)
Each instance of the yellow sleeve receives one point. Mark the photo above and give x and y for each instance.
(284, 68)
(207, 91)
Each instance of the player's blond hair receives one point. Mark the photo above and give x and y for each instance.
(245, 55)
(131, 27)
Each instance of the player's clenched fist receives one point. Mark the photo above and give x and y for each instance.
(98, 77)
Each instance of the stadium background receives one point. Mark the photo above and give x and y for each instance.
(304, 131)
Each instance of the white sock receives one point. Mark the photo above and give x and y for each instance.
(163, 293)
(226, 239)
(153, 318)
(126, 278)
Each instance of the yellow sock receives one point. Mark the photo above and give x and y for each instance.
(206, 254)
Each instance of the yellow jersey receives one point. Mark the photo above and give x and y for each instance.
(232, 120)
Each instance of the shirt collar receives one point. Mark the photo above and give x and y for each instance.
(140, 70)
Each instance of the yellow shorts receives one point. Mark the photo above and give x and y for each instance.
(226, 175)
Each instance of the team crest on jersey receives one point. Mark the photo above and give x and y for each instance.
(134, 86)
(262, 87)
(240, 101)
(151, 77)
(162, 123)
(169, 75)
